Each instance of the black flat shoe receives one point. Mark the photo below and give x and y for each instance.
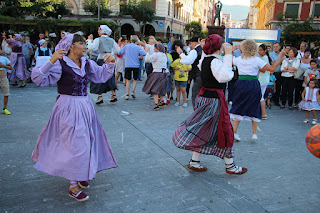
(99, 102)
(114, 99)
(14, 84)
(22, 86)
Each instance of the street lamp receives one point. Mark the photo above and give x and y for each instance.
(98, 10)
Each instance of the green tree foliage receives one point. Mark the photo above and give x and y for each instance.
(296, 39)
(142, 12)
(37, 8)
(11, 8)
(92, 7)
(194, 29)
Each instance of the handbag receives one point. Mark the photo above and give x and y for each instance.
(297, 74)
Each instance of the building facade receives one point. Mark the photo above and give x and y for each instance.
(271, 12)
(253, 15)
(171, 16)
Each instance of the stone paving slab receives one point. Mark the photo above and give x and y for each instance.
(152, 175)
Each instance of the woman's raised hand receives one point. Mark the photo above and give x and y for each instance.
(227, 48)
(202, 42)
(109, 58)
(57, 55)
(179, 50)
(283, 53)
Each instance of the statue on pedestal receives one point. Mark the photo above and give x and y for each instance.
(217, 7)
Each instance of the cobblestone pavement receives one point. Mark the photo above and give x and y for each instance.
(152, 175)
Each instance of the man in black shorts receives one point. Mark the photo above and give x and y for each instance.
(132, 52)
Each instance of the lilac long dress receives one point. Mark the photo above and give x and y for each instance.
(18, 62)
(73, 144)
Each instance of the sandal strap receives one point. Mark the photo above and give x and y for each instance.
(233, 166)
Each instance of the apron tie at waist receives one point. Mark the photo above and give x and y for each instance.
(224, 140)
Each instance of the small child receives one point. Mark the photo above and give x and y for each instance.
(4, 82)
(310, 100)
(181, 80)
(312, 73)
(271, 88)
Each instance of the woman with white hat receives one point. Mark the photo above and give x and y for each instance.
(105, 45)
(43, 53)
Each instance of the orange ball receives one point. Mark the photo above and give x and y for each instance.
(313, 140)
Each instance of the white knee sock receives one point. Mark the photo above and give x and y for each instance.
(73, 183)
(228, 160)
(196, 156)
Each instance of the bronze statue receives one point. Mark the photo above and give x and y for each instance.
(217, 7)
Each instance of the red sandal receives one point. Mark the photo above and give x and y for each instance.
(196, 166)
(235, 170)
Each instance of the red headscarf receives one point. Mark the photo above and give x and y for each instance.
(213, 44)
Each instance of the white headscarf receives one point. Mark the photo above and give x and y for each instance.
(105, 30)
(42, 41)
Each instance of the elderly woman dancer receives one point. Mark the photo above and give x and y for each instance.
(19, 68)
(246, 100)
(156, 84)
(208, 130)
(73, 144)
(104, 44)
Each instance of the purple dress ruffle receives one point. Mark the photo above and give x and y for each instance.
(73, 144)
(18, 62)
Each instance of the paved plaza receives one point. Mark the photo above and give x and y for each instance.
(152, 175)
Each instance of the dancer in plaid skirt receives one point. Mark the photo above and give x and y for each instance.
(208, 130)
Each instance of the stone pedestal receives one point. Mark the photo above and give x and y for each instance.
(216, 30)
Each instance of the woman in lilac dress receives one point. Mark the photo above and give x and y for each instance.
(73, 144)
(19, 70)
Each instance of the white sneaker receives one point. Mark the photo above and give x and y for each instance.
(254, 137)
(236, 137)
(177, 104)
(306, 121)
(314, 121)
(185, 105)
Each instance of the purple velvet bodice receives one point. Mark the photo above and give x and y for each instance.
(71, 83)
(16, 49)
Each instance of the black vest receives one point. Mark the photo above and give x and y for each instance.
(195, 70)
(44, 53)
(208, 80)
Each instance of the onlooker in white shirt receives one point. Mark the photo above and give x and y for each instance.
(288, 67)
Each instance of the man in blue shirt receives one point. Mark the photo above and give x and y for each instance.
(277, 73)
(26, 50)
(170, 44)
(132, 52)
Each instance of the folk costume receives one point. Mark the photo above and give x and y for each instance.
(19, 68)
(105, 45)
(73, 144)
(42, 54)
(208, 130)
(246, 101)
(157, 80)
